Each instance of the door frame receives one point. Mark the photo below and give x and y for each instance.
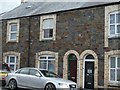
(86, 60)
(69, 66)
(82, 59)
(65, 65)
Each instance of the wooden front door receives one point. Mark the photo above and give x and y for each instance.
(72, 68)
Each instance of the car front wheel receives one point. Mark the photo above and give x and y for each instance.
(12, 85)
(50, 86)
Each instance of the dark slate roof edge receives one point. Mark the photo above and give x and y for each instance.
(89, 6)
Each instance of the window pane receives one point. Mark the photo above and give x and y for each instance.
(12, 67)
(43, 64)
(72, 57)
(12, 59)
(51, 66)
(118, 75)
(112, 75)
(48, 23)
(118, 28)
(51, 33)
(112, 62)
(112, 29)
(118, 62)
(48, 33)
(112, 18)
(52, 57)
(13, 36)
(89, 57)
(42, 57)
(13, 27)
(118, 18)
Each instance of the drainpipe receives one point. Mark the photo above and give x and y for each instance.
(29, 40)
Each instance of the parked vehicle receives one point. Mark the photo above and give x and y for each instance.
(33, 78)
(4, 70)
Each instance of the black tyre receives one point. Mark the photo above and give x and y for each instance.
(12, 84)
(50, 86)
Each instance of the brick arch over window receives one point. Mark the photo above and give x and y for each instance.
(47, 53)
(106, 67)
(12, 53)
(82, 58)
(65, 64)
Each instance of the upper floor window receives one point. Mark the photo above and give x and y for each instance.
(13, 31)
(115, 68)
(48, 27)
(114, 24)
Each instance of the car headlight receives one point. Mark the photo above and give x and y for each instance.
(63, 84)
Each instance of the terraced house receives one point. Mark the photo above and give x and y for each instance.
(79, 41)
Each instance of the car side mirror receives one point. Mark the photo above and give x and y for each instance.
(38, 75)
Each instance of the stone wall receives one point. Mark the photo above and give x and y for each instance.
(77, 30)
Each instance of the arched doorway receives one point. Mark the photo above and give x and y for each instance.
(87, 58)
(72, 67)
(89, 72)
(74, 54)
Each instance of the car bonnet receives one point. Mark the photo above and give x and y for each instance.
(60, 80)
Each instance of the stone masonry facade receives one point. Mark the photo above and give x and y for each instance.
(79, 31)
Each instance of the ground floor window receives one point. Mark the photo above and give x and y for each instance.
(12, 61)
(47, 62)
(115, 68)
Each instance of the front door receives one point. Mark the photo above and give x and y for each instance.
(73, 70)
(89, 75)
(72, 67)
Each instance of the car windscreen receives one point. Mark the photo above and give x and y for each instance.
(48, 73)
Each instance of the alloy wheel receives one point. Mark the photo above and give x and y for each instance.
(12, 84)
(50, 86)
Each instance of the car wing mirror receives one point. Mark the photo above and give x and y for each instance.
(38, 75)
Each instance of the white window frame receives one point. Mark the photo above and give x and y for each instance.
(46, 59)
(9, 32)
(41, 27)
(14, 63)
(116, 68)
(116, 24)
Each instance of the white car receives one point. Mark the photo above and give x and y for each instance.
(33, 78)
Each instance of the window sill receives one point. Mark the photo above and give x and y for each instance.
(114, 37)
(114, 84)
(47, 39)
(15, 41)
